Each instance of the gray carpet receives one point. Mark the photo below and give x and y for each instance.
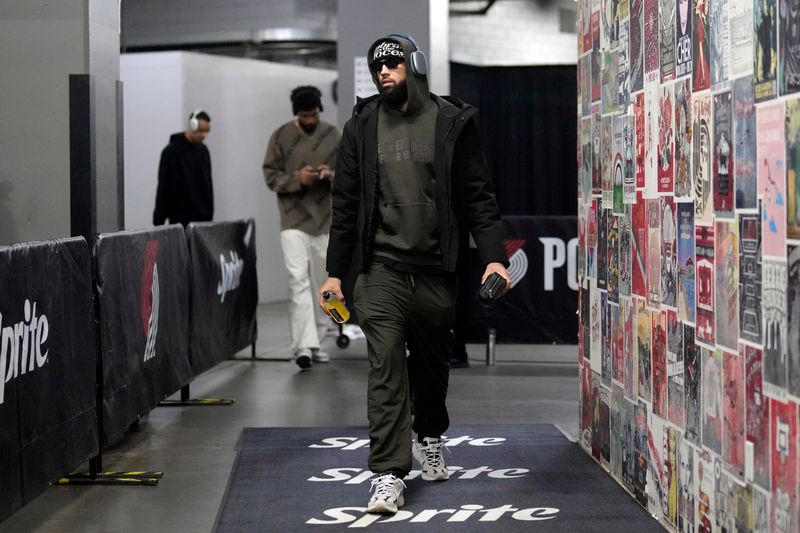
(510, 478)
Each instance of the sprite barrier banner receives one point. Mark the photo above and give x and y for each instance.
(541, 305)
(48, 419)
(143, 287)
(224, 290)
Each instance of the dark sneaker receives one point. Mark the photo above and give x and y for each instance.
(303, 359)
(428, 454)
(388, 496)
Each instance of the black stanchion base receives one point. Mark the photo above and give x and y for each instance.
(196, 402)
(142, 478)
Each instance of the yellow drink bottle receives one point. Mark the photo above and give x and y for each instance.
(335, 309)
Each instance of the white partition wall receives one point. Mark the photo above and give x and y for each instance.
(246, 100)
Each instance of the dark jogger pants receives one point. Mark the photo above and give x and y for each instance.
(395, 309)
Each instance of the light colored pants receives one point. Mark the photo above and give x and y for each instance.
(304, 256)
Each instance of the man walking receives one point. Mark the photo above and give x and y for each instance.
(411, 184)
(297, 167)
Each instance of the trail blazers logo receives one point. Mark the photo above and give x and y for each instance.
(518, 260)
(149, 299)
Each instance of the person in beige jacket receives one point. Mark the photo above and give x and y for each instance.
(298, 167)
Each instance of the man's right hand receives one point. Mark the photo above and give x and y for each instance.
(308, 176)
(333, 286)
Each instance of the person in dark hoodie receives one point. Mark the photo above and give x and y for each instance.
(185, 192)
(411, 185)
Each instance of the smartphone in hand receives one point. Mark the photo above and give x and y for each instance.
(491, 290)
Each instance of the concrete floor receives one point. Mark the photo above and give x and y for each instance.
(195, 446)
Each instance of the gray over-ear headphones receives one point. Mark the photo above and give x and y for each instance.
(194, 123)
(417, 61)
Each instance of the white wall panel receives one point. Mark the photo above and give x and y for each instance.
(246, 100)
(512, 33)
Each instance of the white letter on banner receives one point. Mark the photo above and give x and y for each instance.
(339, 515)
(223, 283)
(2, 363)
(7, 342)
(535, 513)
(16, 348)
(551, 245)
(336, 474)
(334, 442)
(41, 337)
(25, 344)
(572, 263)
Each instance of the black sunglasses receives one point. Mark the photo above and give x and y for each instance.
(391, 62)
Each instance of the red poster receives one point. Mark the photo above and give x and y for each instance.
(733, 410)
(702, 75)
(784, 467)
(660, 364)
(618, 331)
(638, 114)
(651, 48)
(756, 414)
(586, 29)
(639, 246)
(704, 250)
(587, 406)
(591, 240)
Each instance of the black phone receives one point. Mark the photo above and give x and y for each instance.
(491, 289)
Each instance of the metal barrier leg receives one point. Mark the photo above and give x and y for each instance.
(490, 345)
(185, 401)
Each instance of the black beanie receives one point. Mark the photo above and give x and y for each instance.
(306, 98)
(385, 49)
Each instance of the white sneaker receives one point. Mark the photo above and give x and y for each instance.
(303, 358)
(429, 455)
(388, 495)
(319, 356)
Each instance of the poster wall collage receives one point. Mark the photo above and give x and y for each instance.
(689, 256)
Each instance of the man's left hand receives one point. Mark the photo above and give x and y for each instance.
(500, 269)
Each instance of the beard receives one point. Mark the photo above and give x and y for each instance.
(309, 128)
(396, 95)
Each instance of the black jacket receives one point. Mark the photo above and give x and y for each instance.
(185, 192)
(465, 199)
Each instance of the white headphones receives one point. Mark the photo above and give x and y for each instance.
(194, 124)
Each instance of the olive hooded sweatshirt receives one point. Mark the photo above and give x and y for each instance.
(407, 236)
